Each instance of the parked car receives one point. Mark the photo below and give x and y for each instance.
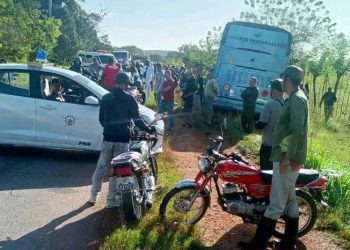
(88, 56)
(31, 117)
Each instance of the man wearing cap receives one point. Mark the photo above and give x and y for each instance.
(249, 96)
(117, 109)
(289, 148)
(267, 123)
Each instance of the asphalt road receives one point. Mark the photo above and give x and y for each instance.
(43, 198)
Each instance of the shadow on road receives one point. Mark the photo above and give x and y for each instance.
(26, 168)
(86, 233)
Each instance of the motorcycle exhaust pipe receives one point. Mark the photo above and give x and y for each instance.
(150, 181)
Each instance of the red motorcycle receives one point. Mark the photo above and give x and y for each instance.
(245, 192)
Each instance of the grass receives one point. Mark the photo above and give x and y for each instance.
(150, 232)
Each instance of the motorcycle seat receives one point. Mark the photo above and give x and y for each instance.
(126, 159)
(305, 176)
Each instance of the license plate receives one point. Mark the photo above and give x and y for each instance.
(124, 184)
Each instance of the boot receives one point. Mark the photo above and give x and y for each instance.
(289, 239)
(263, 234)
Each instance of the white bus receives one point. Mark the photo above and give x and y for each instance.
(247, 50)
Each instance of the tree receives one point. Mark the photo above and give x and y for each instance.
(318, 63)
(205, 53)
(25, 29)
(307, 20)
(341, 62)
(174, 58)
(79, 30)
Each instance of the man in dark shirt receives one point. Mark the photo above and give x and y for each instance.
(249, 96)
(76, 66)
(329, 99)
(117, 109)
(189, 88)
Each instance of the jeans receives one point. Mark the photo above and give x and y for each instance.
(168, 106)
(248, 119)
(158, 99)
(108, 151)
(282, 195)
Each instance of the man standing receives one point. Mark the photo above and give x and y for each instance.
(158, 85)
(167, 102)
(289, 148)
(76, 66)
(148, 76)
(109, 74)
(200, 84)
(95, 67)
(249, 96)
(210, 91)
(329, 99)
(267, 123)
(117, 109)
(189, 88)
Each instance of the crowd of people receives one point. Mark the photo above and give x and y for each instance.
(196, 88)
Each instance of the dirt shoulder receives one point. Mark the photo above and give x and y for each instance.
(220, 230)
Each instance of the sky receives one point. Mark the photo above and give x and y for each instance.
(167, 24)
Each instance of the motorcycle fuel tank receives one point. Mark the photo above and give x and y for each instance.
(238, 172)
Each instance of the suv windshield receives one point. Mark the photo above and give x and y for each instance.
(120, 55)
(104, 58)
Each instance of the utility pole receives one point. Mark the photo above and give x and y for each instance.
(50, 8)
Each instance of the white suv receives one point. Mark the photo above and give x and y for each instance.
(102, 58)
(30, 117)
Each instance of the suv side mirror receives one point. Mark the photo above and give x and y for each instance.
(91, 100)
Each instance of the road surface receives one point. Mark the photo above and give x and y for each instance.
(43, 198)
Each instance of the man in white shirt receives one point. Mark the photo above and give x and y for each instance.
(148, 76)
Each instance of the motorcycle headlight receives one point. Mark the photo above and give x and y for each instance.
(203, 164)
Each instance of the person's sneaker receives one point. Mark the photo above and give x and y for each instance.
(93, 199)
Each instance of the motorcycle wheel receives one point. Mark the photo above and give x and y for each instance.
(132, 201)
(154, 167)
(174, 207)
(307, 215)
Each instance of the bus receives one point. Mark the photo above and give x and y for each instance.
(247, 50)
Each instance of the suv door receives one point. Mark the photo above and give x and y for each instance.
(17, 108)
(65, 120)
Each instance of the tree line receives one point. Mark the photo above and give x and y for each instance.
(26, 27)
